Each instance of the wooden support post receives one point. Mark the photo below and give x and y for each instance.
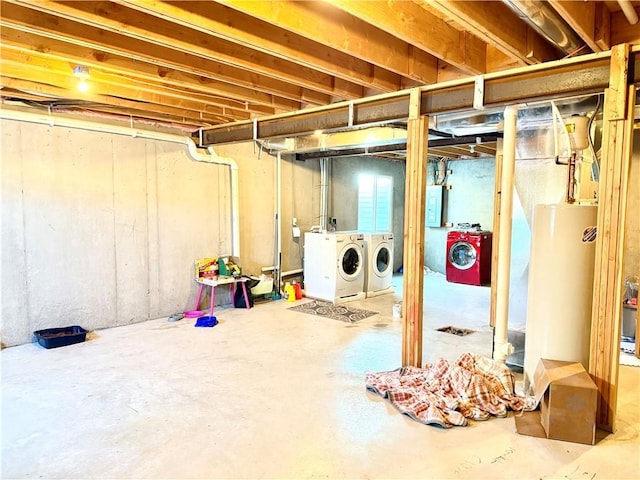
(497, 192)
(414, 211)
(612, 199)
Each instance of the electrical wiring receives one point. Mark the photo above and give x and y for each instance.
(575, 51)
(440, 171)
(595, 172)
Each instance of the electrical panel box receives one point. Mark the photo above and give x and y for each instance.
(434, 206)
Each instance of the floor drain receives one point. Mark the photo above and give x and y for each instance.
(461, 332)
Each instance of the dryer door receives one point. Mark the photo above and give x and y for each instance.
(462, 255)
(381, 259)
(350, 261)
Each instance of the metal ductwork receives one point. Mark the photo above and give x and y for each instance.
(371, 137)
(546, 21)
(538, 135)
(529, 116)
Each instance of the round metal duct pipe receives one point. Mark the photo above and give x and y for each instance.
(543, 18)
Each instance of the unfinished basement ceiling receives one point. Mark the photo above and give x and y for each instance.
(193, 64)
(387, 142)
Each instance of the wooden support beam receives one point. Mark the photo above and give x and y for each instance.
(223, 22)
(345, 30)
(414, 211)
(486, 149)
(29, 45)
(612, 200)
(622, 31)
(213, 88)
(497, 60)
(189, 76)
(112, 88)
(420, 28)
(447, 72)
(13, 88)
(113, 29)
(602, 35)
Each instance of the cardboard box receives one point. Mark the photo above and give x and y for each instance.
(206, 267)
(568, 400)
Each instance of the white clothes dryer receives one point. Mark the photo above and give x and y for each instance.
(379, 271)
(334, 266)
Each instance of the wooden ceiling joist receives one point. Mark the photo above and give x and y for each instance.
(27, 45)
(406, 20)
(328, 26)
(111, 88)
(581, 16)
(622, 31)
(47, 94)
(266, 58)
(497, 25)
(159, 43)
(223, 22)
(487, 149)
(440, 147)
(242, 94)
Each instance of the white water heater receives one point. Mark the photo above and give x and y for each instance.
(560, 285)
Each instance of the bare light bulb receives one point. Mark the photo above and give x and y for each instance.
(83, 86)
(82, 73)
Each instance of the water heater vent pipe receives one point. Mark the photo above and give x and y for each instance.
(502, 347)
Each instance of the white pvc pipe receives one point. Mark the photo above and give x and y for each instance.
(52, 121)
(324, 193)
(322, 197)
(194, 152)
(213, 157)
(279, 215)
(290, 273)
(627, 8)
(502, 347)
(556, 148)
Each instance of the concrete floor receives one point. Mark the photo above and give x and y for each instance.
(270, 393)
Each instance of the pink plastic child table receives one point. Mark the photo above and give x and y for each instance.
(221, 280)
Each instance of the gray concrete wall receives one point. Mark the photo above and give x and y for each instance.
(300, 198)
(470, 199)
(540, 181)
(101, 230)
(343, 196)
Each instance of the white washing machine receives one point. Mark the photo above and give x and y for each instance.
(334, 266)
(379, 263)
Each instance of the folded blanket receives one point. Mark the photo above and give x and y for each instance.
(447, 395)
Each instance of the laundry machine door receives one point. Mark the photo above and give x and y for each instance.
(381, 259)
(350, 261)
(463, 255)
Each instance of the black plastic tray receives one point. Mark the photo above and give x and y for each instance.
(59, 337)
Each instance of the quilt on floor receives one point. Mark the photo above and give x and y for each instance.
(447, 395)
